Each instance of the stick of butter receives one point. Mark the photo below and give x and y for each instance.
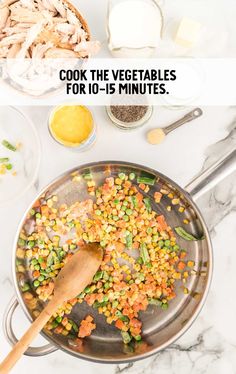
(188, 32)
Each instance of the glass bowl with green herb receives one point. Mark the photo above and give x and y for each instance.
(19, 153)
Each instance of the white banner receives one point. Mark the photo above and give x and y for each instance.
(179, 81)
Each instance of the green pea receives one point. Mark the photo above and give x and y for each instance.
(34, 261)
(72, 247)
(38, 215)
(98, 276)
(25, 287)
(129, 212)
(59, 319)
(98, 212)
(175, 248)
(40, 260)
(138, 338)
(155, 238)
(105, 298)
(32, 212)
(31, 243)
(167, 243)
(36, 267)
(140, 260)
(160, 243)
(41, 278)
(106, 285)
(87, 290)
(149, 230)
(116, 201)
(36, 283)
(9, 166)
(21, 242)
(164, 306)
(121, 176)
(115, 218)
(125, 218)
(125, 202)
(131, 176)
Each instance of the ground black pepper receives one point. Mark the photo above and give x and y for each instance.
(129, 113)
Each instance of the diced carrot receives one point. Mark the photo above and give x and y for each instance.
(181, 265)
(58, 330)
(182, 255)
(162, 223)
(44, 210)
(86, 327)
(120, 324)
(89, 318)
(36, 274)
(142, 186)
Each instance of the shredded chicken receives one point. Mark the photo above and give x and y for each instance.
(4, 14)
(43, 29)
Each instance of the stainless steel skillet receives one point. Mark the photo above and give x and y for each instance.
(160, 328)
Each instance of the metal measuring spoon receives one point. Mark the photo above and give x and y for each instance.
(156, 136)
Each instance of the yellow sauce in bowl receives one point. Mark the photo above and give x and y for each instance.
(71, 125)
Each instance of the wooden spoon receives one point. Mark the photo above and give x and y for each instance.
(77, 273)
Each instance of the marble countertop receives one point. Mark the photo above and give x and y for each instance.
(209, 346)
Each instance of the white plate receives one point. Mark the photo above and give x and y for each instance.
(15, 127)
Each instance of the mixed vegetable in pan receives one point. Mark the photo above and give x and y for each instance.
(142, 260)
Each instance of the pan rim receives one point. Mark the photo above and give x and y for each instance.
(184, 329)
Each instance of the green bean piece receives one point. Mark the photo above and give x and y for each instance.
(8, 145)
(121, 316)
(185, 235)
(129, 240)
(134, 201)
(98, 276)
(146, 180)
(147, 203)
(126, 337)
(152, 301)
(4, 160)
(144, 253)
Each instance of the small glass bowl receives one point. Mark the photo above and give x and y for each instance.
(16, 127)
(83, 146)
(130, 125)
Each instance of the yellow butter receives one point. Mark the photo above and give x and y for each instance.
(188, 32)
(71, 125)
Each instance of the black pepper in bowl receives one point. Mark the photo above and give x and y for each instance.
(129, 113)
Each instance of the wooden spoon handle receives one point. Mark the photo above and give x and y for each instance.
(19, 349)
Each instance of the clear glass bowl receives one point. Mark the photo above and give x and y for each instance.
(15, 127)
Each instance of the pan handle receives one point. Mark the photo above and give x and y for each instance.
(210, 177)
(10, 335)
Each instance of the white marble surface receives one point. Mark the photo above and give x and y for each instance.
(210, 344)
